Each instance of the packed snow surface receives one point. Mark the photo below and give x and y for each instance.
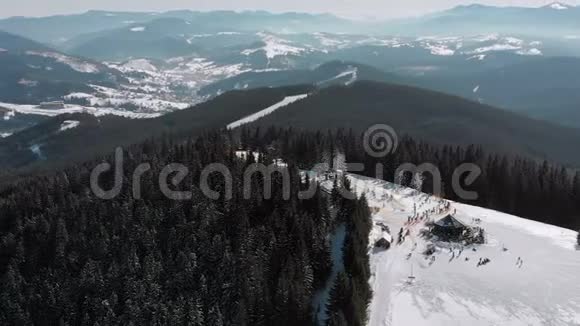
(532, 277)
(253, 117)
(69, 124)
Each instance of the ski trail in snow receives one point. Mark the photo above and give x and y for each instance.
(253, 117)
(352, 71)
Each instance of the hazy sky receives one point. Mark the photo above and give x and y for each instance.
(348, 8)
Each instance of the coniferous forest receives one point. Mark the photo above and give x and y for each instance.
(536, 190)
(69, 258)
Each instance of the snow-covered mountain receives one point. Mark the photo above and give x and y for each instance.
(555, 19)
(531, 277)
(148, 64)
(559, 6)
(63, 29)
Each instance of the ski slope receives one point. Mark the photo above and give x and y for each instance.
(542, 289)
(253, 117)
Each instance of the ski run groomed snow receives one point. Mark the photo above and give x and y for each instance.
(253, 117)
(532, 277)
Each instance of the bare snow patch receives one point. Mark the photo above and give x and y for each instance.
(532, 51)
(478, 57)
(69, 124)
(495, 47)
(558, 6)
(487, 38)
(27, 83)
(439, 49)
(275, 46)
(9, 115)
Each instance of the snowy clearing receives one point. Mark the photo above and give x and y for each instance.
(275, 46)
(531, 279)
(251, 118)
(140, 65)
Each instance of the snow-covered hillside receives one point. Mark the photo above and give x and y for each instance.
(71, 108)
(532, 277)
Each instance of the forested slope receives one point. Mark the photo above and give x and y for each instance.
(434, 117)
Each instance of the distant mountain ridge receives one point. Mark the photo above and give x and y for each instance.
(92, 136)
(33, 72)
(556, 20)
(431, 116)
(62, 28)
